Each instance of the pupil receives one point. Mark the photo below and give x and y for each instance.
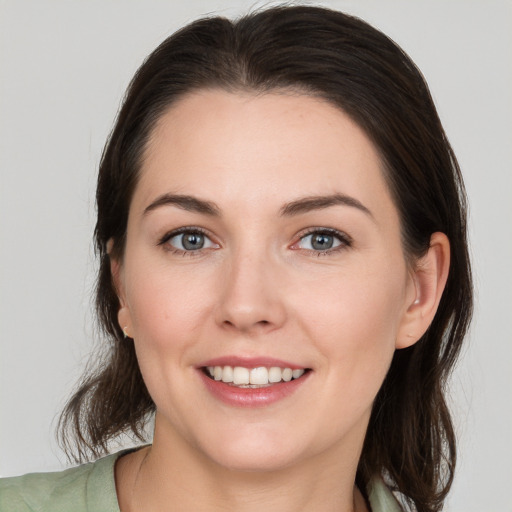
(322, 242)
(193, 241)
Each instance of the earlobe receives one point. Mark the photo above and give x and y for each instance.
(125, 322)
(123, 315)
(429, 279)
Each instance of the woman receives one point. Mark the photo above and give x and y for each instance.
(284, 279)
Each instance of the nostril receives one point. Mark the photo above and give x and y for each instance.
(261, 323)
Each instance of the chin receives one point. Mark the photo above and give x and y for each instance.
(255, 462)
(254, 454)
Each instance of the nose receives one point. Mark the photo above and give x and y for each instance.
(251, 299)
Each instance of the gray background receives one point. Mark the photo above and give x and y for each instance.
(64, 68)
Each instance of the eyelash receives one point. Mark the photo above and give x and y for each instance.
(188, 229)
(344, 241)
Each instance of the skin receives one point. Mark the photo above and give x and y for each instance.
(259, 288)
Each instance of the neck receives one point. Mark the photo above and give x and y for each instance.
(173, 476)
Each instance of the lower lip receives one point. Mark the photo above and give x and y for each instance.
(252, 397)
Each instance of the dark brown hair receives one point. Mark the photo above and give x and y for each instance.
(330, 55)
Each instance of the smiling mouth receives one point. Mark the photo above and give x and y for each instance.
(260, 377)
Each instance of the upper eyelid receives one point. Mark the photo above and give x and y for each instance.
(185, 229)
(331, 231)
(343, 236)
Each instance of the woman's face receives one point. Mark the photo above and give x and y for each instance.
(262, 235)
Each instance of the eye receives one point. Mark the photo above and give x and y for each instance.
(188, 240)
(323, 240)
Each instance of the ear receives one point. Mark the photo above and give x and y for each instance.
(123, 315)
(428, 279)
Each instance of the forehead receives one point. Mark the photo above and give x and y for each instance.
(244, 147)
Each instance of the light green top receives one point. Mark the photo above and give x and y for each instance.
(91, 488)
(87, 488)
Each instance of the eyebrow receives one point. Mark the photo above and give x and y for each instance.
(188, 203)
(310, 203)
(297, 207)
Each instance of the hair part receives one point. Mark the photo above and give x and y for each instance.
(340, 58)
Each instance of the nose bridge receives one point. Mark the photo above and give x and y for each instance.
(251, 297)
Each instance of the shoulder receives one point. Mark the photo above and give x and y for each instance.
(380, 497)
(87, 487)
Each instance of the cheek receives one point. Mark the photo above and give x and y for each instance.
(354, 329)
(168, 308)
(169, 312)
(354, 319)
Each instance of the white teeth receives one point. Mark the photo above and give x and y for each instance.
(287, 374)
(297, 373)
(274, 374)
(240, 375)
(259, 376)
(227, 374)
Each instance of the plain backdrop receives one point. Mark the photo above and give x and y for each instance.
(64, 66)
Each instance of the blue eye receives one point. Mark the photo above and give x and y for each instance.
(188, 240)
(322, 241)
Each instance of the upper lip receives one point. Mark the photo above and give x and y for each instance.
(251, 362)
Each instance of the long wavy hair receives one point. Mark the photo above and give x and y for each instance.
(339, 58)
